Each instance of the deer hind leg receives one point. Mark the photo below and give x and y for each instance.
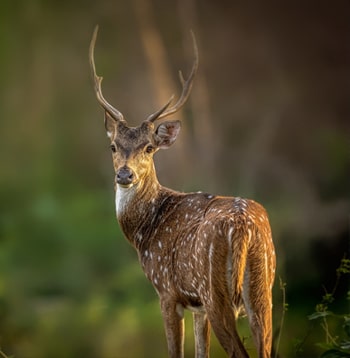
(257, 298)
(218, 305)
(224, 325)
(201, 334)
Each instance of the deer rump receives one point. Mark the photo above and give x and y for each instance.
(217, 245)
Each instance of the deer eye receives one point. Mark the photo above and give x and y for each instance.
(149, 149)
(113, 148)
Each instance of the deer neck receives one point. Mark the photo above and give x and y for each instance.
(135, 206)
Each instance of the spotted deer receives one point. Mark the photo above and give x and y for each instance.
(210, 254)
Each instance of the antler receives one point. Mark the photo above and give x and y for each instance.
(186, 90)
(97, 82)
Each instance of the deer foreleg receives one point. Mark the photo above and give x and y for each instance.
(201, 334)
(173, 317)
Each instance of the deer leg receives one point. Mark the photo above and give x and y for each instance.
(201, 334)
(221, 315)
(173, 318)
(257, 300)
(224, 326)
(261, 333)
(218, 303)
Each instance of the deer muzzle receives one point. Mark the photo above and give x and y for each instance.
(124, 176)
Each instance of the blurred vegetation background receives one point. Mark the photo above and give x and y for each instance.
(268, 119)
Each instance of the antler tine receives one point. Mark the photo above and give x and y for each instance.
(97, 82)
(186, 89)
(155, 115)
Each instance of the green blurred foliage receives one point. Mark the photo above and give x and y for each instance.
(268, 119)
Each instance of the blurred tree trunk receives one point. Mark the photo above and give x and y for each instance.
(203, 129)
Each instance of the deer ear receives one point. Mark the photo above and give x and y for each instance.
(166, 134)
(110, 125)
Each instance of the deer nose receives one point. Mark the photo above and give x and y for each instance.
(125, 176)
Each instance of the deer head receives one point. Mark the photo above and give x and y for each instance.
(133, 147)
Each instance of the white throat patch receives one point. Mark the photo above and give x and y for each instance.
(122, 198)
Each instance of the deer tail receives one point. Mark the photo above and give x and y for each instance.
(240, 239)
